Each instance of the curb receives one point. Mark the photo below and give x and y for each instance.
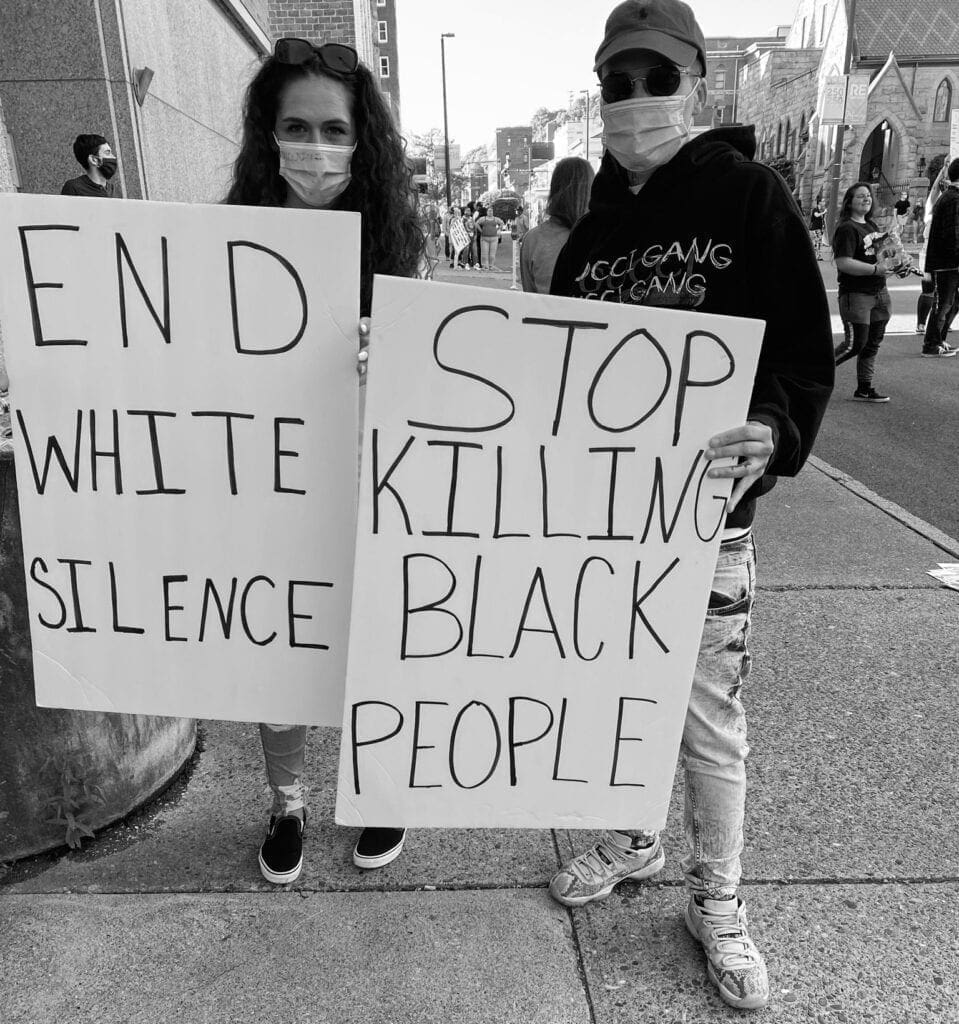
(941, 540)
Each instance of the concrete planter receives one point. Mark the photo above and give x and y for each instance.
(99, 766)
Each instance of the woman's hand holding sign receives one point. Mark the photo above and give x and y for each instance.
(363, 354)
(752, 445)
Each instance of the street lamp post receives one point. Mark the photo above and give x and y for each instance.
(585, 92)
(446, 131)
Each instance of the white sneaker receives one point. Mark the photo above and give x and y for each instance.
(594, 874)
(734, 964)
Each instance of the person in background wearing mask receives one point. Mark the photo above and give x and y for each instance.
(95, 156)
(697, 224)
(317, 135)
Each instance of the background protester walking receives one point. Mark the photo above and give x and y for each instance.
(817, 224)
(568, 199)
(317, 135)
(942, 262)
(94, 154)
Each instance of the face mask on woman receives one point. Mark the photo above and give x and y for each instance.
(645, 133)
(317, 173)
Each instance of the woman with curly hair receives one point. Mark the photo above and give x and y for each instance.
(317, 135)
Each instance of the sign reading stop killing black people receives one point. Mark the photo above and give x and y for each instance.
(184, 403)
(536, 539)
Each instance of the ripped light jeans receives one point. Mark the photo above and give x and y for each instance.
(714, 748)
(284, 749)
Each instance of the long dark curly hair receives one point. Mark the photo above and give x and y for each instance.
(381, 188)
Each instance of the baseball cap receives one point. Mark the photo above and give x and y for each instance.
(668, 27)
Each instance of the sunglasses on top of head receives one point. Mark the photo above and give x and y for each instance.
(333, 56)
(662, 80)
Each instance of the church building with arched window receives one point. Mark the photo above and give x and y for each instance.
(909, 54)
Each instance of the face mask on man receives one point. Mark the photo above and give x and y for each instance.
(647, 132)
(317, 173)
(108, 166)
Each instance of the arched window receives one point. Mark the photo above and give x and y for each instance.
(943, 107)
(779, 138)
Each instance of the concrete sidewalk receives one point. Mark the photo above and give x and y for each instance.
(851, 864)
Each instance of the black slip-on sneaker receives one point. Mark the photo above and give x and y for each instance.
(281, 854)
(378, 847)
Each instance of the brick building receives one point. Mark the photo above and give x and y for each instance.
(509, 157)
(725, 57)
(367, 25)
(909, 49)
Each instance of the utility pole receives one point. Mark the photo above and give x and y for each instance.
(832, 202)
(446, 130)
(585, 92)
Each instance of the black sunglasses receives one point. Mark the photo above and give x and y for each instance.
(333, 56)
(662, 80)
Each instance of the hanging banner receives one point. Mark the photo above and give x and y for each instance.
(183, 390)
(535, 544)
(954, 136)
(857, 99)
(832, 100)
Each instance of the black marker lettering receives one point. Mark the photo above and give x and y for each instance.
(228, 418)
(293, 616)
(454, 472)
(357, 743)
(560, 735)
(151, 415)
(611, 506)
(284, 452)
(590, 399)
(117, 628)
(231, 248)
(513, 743)
(384, 484)
(33, 286)
(225, 615)
(637, 610)
(53, 590)
(453, 734)
(537, 582)
(113, 453)
(78, 626)
(163, 323)
(620, 739)
(53, 449)
(243, 618)
(576, 600)
(571, 328)
(167, 608)
(434, 606)
(417, 746)
(685, 382)
(466, 373)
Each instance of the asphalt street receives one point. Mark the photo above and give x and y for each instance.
(906, 450)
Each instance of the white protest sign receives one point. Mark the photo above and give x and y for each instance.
(184, 403)
(857, 99)
(832, 100)
(535, 544)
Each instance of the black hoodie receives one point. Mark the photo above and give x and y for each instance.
(715, 232)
